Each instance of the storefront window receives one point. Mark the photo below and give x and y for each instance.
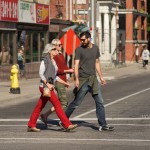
(28, 48)
(6, 48)
(38, 46)
(33, 44)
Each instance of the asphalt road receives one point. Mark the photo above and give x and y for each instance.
(127, 106)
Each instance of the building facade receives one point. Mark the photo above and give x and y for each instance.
(136, 27)
(73, 10)
(31, 24)
(122, 27)
(23, 23)
(64, 13)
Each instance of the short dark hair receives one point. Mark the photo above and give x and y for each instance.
(86, 33)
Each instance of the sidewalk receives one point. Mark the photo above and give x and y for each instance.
(126, 70)
(29, 88)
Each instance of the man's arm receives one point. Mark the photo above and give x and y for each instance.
(99, 71)
(63, 82)
(76, 72)
(62, 66)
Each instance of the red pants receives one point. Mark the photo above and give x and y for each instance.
(41, 104)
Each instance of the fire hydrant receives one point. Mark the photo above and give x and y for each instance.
(15, 89)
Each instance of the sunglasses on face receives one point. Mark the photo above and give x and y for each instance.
(54, 49)
(59, 45)
(82, 40)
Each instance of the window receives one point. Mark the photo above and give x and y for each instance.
(135, 34)
(135, 4)
(142, 22)
(33, 46)
(6, 48)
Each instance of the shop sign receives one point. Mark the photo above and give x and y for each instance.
(9, 10)
(27, 12)
(42, 14)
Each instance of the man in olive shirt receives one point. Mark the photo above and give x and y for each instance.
(86, 66)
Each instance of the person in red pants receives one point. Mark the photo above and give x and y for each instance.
(47, 72)
(63, 69)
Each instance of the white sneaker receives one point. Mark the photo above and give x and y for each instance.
(106, 128)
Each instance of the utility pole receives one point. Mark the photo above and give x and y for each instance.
(93, 19)
(75, 10)
(117, 26)
(70, 10)
(89, 13)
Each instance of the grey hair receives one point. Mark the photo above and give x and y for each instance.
(48, 47)
(55, 41)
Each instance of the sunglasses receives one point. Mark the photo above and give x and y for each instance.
(54, 49)
(59, 45)
(83, 40)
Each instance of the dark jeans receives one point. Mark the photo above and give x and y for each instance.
(100, 110)
(145, 62)
(21, 66)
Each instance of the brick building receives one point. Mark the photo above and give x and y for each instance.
(64, 13)
(136, 27)
(122, 29)
(73, 10)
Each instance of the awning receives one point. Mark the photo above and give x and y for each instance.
(78, 28)
(71, 27)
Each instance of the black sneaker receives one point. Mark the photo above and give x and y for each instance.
(106, 128)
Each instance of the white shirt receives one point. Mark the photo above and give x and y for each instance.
(42, 70)
(145, 54)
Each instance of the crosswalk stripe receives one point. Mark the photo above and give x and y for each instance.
(77, 119)
(69, 139)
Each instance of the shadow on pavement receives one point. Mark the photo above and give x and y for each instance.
(54, 124)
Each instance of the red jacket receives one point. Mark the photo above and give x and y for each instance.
(61, 64)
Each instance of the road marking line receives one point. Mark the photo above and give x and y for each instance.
(114, 102)
(4, 125)
(16, 120)
(65, 139)
(75, 119)
(137, 125)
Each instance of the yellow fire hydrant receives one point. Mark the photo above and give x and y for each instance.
(15, 89)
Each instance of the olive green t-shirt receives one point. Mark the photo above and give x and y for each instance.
(87, 58)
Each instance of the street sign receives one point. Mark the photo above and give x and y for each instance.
(70, 41)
